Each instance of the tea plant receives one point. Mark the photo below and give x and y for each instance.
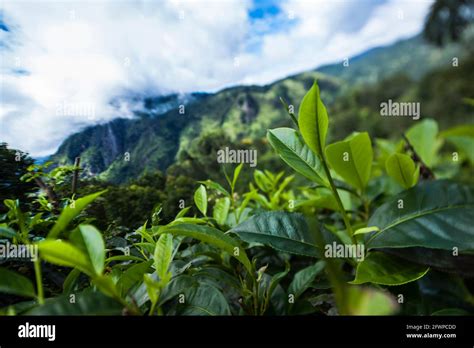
(372, 222)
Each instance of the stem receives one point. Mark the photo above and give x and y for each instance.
(366, 209)
(335, 277)
(292, 115)
(338, 199)
(352, 192)
(256, 284)
(265, 303)
(75, 176)
(39, 281)
(236, 210)
(152, 309)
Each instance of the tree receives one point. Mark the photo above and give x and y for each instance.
(447, 20)
(13, 165)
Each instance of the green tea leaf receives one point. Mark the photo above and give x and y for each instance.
(381, 268)
(203, 300)
(294, 152)
(215, 186)
(461, 130)
(70, 212)
(365, 230)
(86, 303)
(177, 286)
(369, 301)
(163, 256)
(463, 138)
(352, 159)
(324, 200)
(152, 288)
(402, 169)
(70, 281)
(107, 285)
(236, 175)
(62, 253)
(464, 144)
(433, 214)
(423, 138)
(89, 240)
(133, 275)
(262, 181)
(444, 260)
(303, 278)
(200, 199)
(221, 210)
(287, 232)
(211, 236)
(7, 232)
(15, 284)
(276, 279)
(313, 120)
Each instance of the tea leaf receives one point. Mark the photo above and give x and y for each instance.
(89, 240)
(15, 284)
(402, 169)
(200, 199)
(313, 120)
(423, 215)
(221, 210)
(352, 159)
(211, 236)
(286, 232)
(303, 278)
(62, 253)
(70, 212)
(380, 268)
(162, 256)
(423, 138)
(294, 152)
(204, 300)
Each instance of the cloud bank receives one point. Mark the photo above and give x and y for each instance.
(62, 63)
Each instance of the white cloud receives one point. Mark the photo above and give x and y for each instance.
(321, 35)
(83, 55)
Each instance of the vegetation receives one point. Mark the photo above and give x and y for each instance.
(347, 233)
(124, 149)
(447, 20)
(136, 217)
(13, 165)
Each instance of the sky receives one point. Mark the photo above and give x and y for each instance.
(64, 63)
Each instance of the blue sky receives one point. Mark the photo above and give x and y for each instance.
(80, 55)
(266, 17)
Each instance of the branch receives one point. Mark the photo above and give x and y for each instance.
(75, 176)
(52, 198)
(425, 171)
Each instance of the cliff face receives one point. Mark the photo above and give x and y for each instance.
(125, 148)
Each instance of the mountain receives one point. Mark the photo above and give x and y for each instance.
(160, 135)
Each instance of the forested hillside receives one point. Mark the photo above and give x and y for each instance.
(126, 148)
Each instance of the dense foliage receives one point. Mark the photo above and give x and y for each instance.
(362, 225)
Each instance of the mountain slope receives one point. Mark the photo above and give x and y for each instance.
(125, 148)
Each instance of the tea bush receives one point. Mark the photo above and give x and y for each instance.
(382, 227)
